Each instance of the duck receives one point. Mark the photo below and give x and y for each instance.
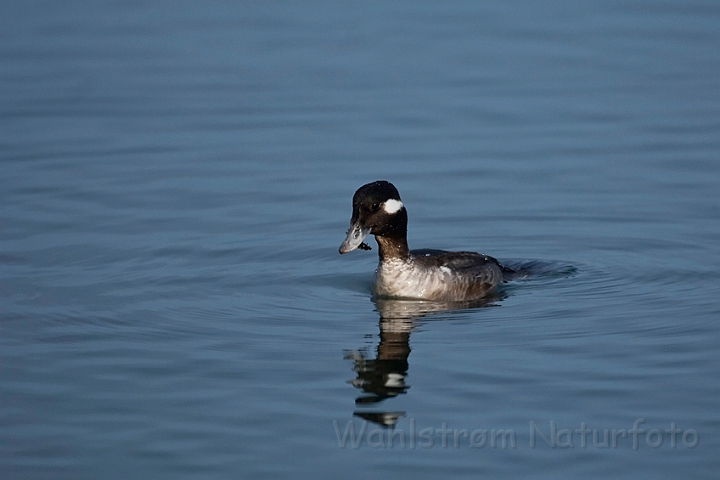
(424, 274)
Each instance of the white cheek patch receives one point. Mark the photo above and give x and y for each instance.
(392, 206)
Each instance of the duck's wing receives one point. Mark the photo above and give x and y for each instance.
(468, 264)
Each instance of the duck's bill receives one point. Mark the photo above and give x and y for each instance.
(355, 237)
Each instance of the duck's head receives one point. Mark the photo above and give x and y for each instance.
(377, 210)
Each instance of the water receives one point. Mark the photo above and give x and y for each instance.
(176, 180)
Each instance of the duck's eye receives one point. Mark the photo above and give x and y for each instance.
(375, 207)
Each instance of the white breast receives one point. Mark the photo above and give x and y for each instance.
(400, 278)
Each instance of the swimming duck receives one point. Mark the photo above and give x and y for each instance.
(418, 274)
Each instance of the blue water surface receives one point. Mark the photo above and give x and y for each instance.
(176, 179)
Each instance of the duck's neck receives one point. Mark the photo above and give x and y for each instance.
(392, 247)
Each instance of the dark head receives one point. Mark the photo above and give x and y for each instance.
(377, 210)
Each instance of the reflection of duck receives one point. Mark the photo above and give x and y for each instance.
(419, 274)
(384, 376)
